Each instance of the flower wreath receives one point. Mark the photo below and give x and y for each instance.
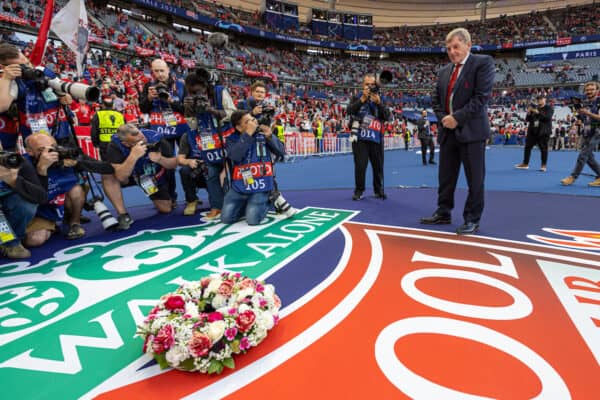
(204, 323)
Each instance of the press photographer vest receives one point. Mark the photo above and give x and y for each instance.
(60, 181)
(255, 173)
(9, 131)
(170, 124)
(371, 126)
(108, 126)
(144, 166)
(40, 111)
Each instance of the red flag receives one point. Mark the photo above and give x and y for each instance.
(40, 45)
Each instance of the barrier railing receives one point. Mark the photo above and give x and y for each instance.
(304, 145)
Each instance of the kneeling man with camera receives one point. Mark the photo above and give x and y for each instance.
(20, 193)
(59, 168)
(250, 151)
(142, 158)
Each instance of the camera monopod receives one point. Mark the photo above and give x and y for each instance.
(96, 202)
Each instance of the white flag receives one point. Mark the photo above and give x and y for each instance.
(71, 25)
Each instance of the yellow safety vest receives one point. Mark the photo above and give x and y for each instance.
(320, 130)
(280, 133)
(107, 125)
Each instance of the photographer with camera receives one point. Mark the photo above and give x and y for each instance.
(20, 194)
(249, 150)
(39, 95)
(208, 108)
(55, 165)
(368, 116)
(426, 138)
(588, 116)
(539, 116)
(140, 158)
(162, 99)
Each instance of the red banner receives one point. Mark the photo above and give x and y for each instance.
(140, 51)
(13, 20)
(170, 58)
(260, 74)
(563, 41)
(37, 54)
(119, 46)
(187, 62)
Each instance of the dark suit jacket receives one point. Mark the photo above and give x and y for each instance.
(544, 118)
(471, 93)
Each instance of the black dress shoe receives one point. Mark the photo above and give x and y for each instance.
(358, 195)
(380, 195)
(467, 228)
(431, 162)
(436, 219)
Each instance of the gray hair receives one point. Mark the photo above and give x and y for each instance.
(590, 83)
(463, 35)
(125, 129)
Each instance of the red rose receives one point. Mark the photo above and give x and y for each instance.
(175, 303)
(215, 316)
(163, 340)
(199, 345)
(226, 288)
(245, 320)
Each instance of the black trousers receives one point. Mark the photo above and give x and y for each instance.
(365, 151)
(541, 141)
(472, 157)
(427, 143)
(191, 184)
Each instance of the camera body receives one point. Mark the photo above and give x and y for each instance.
(153, 147)
(31, 74)
(162, 91)
(575, 103)
(65, 153)
(200, 105)
(209, 77)
(200, 170)
(266, 117)
(11, 160)
(374, 88)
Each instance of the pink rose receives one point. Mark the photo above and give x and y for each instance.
(204, 282)
(230, 333)
(199, 345)
(215, 316)
(245, 320)
(163, 340)
(175, 303)
(247, 283)
(259, 287)
(276, 301)
(226, 288)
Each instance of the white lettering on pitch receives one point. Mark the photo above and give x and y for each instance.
(578, 289)
(71, 363)
(520, 308)
(222, 266)
(418, 387)
(506, 266)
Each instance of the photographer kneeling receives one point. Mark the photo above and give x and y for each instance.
(208, 107)
(65, 195)
(249, 150)
(20, 193)
(139, 158)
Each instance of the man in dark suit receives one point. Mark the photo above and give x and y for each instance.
(426, 138)
(539, 130)
(460, 100)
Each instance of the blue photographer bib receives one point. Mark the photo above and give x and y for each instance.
(371, 127)
(169, 123)
(255, 173)
(9, 132)
(144, 167)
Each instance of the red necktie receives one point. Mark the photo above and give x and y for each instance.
(451, 86)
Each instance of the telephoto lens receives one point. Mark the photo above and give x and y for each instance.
(354, 131)
(10, 160)
(283, 207)
(106, 218)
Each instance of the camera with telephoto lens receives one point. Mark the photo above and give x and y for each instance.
(106, 218)
(199, 171)
(381, 79)
(209, 77)
(163, 92)
(575, 103)
(200, 105)
(354, 129)
(10, 160)
(65, 153)
(281, 205)
(31, 74)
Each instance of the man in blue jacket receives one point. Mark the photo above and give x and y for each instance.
(249, 150)
(464, 88)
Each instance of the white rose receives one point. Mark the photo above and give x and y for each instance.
(216, 330)
(191, 309)
(213, 287)
(243, 307)
(176, 354)
(242, 294)
(266, 320)
(269, 291)
(219, 301)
